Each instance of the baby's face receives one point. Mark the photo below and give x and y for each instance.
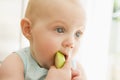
(60, 30)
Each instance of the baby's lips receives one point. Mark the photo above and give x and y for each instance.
(67, 54)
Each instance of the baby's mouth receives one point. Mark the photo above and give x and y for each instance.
(65, 55)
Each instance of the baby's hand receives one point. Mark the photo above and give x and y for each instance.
(63, 73)
(78, 73)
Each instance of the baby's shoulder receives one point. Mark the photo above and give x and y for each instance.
(12, 59)
(12, 68)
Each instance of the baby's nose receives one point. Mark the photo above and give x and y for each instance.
(69, 43)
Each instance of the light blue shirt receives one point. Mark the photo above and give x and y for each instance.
(32, 71)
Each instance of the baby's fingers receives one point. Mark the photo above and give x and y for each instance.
(78, 73)
(67, 64)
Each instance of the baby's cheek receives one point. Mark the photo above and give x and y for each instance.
(51, 45)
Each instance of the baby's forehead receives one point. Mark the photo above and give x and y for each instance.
(52, 8)
(35, 6)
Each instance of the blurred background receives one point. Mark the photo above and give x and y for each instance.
(99, 51)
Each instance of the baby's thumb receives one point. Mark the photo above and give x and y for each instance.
(67, 64)
(68, 61)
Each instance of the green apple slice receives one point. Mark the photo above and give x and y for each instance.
(59, 60)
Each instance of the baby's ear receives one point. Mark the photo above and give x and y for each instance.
(26, 28)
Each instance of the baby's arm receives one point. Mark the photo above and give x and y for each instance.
(12, 68)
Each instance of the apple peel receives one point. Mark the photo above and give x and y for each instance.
(59, 60)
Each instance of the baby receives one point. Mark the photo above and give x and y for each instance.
(50, 26)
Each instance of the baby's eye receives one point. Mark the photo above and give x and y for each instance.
(77, 34)
(60, 30)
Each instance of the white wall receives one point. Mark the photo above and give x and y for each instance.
(10, 13)
(95, 44)
(11, 39)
